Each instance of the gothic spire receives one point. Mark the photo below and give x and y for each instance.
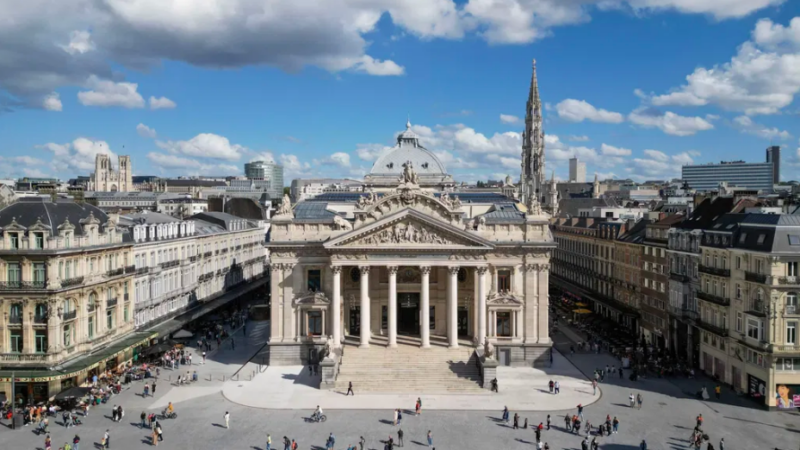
(532, 178)
(534, 102)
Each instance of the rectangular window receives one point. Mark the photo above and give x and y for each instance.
(738, 262)
(38, 274)
(791, 269)
(41, 341)
(67, 335)
(759, 265)
(14, 274)
(739, 322)
(503, 324)
(738, 291)
(125, 313)
(504, 280)
(791, 332)
(314, 280)
(110, 319)
(16, 341)
(91, 326)
(14, 239)
(38, 240)
(315, 323)
(753, 329)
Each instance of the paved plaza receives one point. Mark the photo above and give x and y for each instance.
(462, 422)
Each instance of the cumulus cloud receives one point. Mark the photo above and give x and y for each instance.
(145, 131)
(205, 145)
(161, 103)
(338, 159)
(578, 138)
(80, 41)
(78, 156)
(52, 102)
(669, 122)
(371, 152)
(371, 66)
(580, 110)
(293, 167)
(762, 78)
(509, 119)
(746, 125)
(169, 163)
(614, 151)
(109, 93)
(657, 164)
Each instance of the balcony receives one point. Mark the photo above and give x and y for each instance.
(755, 277)
(714, 271)
(142, 270)
(130, 269)
(679, 277)
(193, 259)
(170, 264)
(112, 302)
(238, 247)
(74, 281)
(69, 315)
(756, 308)
(207, 255)
(719, 331)
(791, 310)
(790, 348)
(722, 301)
(22, 285)
(788, 281)
(91, 307)
(40, 319)
(115, 272)
(15, 320)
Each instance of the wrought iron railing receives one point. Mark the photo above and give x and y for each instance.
(755, 277)
(714, 271)
(75, 281)
(713, 298)
(69, 315)
(115, 272)
(111, 302)
(14, 285)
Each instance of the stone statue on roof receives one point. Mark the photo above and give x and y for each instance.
(409, 176)
(286, 206)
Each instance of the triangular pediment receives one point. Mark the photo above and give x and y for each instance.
(409, 228)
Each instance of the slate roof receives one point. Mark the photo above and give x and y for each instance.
(220, 219)
(636, 234)
(465, 197)
(27, 210)
(145, 218)
(504, 213)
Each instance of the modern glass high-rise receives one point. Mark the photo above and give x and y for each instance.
(774, 158)
(266, 171)
(707, 177)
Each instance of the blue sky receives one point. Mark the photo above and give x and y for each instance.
(633, 87)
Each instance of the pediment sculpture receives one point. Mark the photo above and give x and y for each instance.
(340, 223)
(310, 298)
(404, 233)
(503, 298)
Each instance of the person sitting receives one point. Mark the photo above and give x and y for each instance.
(194, 376)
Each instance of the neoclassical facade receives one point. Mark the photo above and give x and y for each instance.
(444, 268)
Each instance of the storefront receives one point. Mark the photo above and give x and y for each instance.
(756, 388)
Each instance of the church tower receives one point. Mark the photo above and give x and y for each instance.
(532, 177)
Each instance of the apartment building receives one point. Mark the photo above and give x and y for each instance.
(65, 292)
(628, 262)
(655, 324)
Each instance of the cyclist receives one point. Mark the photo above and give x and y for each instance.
(318, 414)
(170, 409)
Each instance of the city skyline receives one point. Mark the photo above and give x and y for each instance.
(635, 109)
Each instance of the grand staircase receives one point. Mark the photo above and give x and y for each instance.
(408, 369)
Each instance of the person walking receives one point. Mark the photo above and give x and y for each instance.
(227, 419)
(400, 438)
(419, 405)
(643, 445)
(615, 425)
(594, 387)
(567, 422)
(76, 443)
(557, 387)
(362, 443)
(580, 411)
(525, 425)
(551, 385)
(350, 389)
(286, 443)
(399, 416)
(146, 390)
(505, 414)
(204, 357)
(154, 388)
(331, 441)
(154, 437)
(516, 421)
(717, 391)
(106, 440)
(394, 421)
(548, 422)
(722, 444)
(269, 442)
(585, 443)
(639, 399)
(142, 416)
(159, 432)
(430, 438)
(699, 420)
(47, 442)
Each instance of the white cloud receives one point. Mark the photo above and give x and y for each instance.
(580, 110)
(189, 166)
(338, 159)
(205, 145)
(371, 152)
(576, 138)
(109, 93)
(762, 78)
(657, 155)
(507, 118)
(145, 131)
(614, 151)
(371, 66)
(746, 125)
(658, 164)
(52, 102)
(452, 161)
(669, 122)
(80, 42)
(161, 103)
(76, 157)
(294, 167)
(263, 156)
(505, 162)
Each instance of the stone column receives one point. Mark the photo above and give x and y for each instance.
(452, 306)
(425, 308)
(365, 316)
(288, 315)
(336, 305)
(481, 336)
(392, 306)
(543, 328)
(275, 300)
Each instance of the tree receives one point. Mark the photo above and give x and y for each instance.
(287, 191)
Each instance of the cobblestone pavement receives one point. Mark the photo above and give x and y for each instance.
(665, 420)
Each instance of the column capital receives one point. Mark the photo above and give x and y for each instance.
(482, 270)
(364, 270)
(392, 269)
(453, 270)
(425, 270)
(336, 270)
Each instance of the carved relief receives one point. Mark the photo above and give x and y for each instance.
(340, 224)
(336, 270)
(310, 298)
(404, 233)
(410, 275)
(392, 270)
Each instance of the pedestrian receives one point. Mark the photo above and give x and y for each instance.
(47, 442)
(722, 444)
(363, 442)
(585, 443)
(399, 416)
(718, 391)
(154, 437)
(699, 420)
(146, 390)
(154, 388)
(430, 438)
(538, 445)
(331, 441)
(632, 400)
(594, 445)
(643, 445)
(294, 444)
(525, 426)
(143, 416)
(160, 432)
(400, 438)
(594, 387)
(350, 389)
(269, 442)
(394, 421)
(286, 443)
(546, 446)
(227, 419)
(106, 440)
(418, 406)
(620, 372)
(580, 411)
(516, 421)
(557, 387)
(567, 422)
(233, 343)
(615, 425)
(639, 399)
(548, 422)
(204, 357)
(76, 442)
(551, 385)
(505, 414)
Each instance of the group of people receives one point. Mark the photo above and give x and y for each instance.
(76, 443)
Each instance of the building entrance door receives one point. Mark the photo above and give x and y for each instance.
(463, 321)
(355, 321)
(408, 313)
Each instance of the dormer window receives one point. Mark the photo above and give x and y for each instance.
(14, 240)
(38, 240)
